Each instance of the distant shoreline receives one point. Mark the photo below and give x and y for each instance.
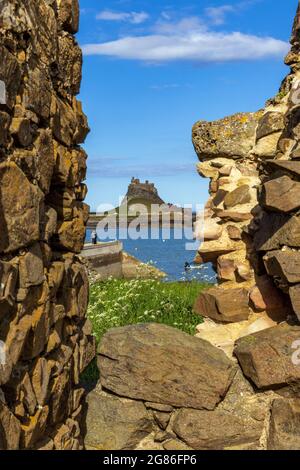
(145, 221)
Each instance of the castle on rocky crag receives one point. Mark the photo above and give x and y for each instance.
(144, 191)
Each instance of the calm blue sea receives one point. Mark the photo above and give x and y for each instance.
(168, 255)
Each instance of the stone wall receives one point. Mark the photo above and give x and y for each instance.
(45, 340)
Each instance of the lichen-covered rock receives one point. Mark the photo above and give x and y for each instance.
(128, 358)
(231, 137)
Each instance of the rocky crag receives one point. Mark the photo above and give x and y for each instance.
(236, 385)
(45, 341)
(147, 192)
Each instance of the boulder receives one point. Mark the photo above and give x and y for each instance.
(191, 372)
(215, 430)
(266, 358)
(224, 305)
(281, 194)
(114, 423)
(284, 431)
(283, 265)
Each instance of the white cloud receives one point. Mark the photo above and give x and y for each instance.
(218, 14)
(183, 42)
(132, 17)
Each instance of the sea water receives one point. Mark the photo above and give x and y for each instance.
(168, 251)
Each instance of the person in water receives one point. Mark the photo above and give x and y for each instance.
(94, 237)
(187, 266)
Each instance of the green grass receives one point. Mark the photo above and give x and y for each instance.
(118, 302)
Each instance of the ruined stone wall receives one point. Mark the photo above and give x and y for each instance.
(45, 339)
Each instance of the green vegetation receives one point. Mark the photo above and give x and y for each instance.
(118, 302)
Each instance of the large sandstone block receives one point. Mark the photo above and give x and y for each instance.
(20, 203)
(231, 137)
(163, 365)
(224, 305)
(266, 358)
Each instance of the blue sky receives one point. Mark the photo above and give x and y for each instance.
(153, 68)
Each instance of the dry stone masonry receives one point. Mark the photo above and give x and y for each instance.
(45, 339)
(236, 385)
(252, 216)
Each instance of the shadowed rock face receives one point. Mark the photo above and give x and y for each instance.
(43, 283)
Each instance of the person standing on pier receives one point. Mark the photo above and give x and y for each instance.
(94, 237)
